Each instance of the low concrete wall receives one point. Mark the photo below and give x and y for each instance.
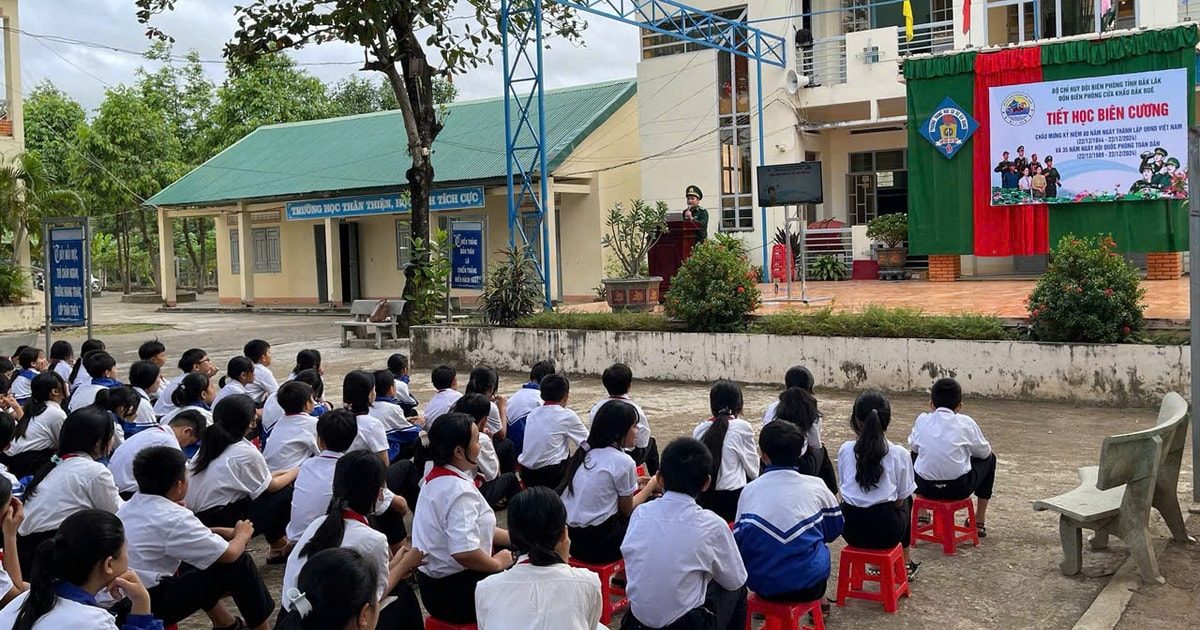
(28, 316)
(1122, 375)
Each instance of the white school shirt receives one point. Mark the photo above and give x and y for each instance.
(896, 483)
(523, 401)
(439, 405)
(263, 385)
(42, 431)
(370, 544)
(160, 534)
(371, 435)
(6, 582)
(403, 394)
(121, 463)
(451, 517)
(145, 410)
(81, 378)
(391, 415)
(163, 405)
(84, 396)
(487, 464)
(548, 431)
(231, 387)
(175, 411)
(313, 489)
(945, 442)
(271, 413)
(814, 432)
(293, 440)
(606, 475)
(739, 454)
(22, 386)
(78, 483)
(64, 370)
(65, 614)
(493, 421)
(239, 472)
(643, 432)
(525, 597)
(673, 549)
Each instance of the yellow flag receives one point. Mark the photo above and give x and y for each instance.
(908, 21)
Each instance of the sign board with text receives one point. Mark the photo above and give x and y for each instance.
(466, 255)
(388, 203)
(67, 274)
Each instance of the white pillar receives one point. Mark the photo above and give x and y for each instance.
(245, 247)
(551, 220)
(333, 261)
(166, 256)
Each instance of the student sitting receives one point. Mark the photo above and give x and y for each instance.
(8, 428)
(264, 383)
(155, 352)
(731, 442)
(334, 591)
(618, 380)
(445, 381)
(795, 567)
(600, 489)
(549, 429)
(307, 359)
(485, 380)
(72, 481)
(358, 392)
(498, 488)
(193, 360)
(30, 362)
(542, 592)
(86, 556)
(122, 405)
(194, 392)
(231, 481)
(952, 458)
(877, 481)
(145, 377)
(36, 437)
(11, 516)
(798, 405)
(397, 364)
(62, 358)
(525, 400)
(239, 376)
(181, 431)
(358, 481)
(403, 435)
(187, 566)
(272, 412)
(8, 404)
(79, 376)
(294, 438)
(102, 369)
(454, 525)
(681, 562)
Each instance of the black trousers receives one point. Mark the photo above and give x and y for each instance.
(880, 526)
(404, 613)
(816, 463)
(500, 490)
(647, 456)
(390, 524)
(27, 463)
(452, 598)
(599, 544)
(721, 610)
(977, 481)
(27, 548)
(723, 502)
(506, 452)
(549, 476)
(810, 594)
(177, 597)
(404, 477)
(270, 514)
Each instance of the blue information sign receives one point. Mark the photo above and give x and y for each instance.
(390, 203)
(466, 254)
(66, 278)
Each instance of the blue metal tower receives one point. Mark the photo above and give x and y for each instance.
(524, 93)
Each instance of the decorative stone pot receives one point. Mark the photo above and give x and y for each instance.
(632, 294)
(891, 258)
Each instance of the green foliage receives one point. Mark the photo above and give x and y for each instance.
(631, 234)
(513, 288)
(874, 320)
(714, 290)
(428, 289)
(889, 229)
(14, 285)
(828, 268)
(28, 194)
(623, 320)
(52, 123)
(355, 95)
(1089, 294)
(182, 95)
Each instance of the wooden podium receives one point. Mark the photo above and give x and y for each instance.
(672, 249)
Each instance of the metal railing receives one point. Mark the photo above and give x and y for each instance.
(824, 62)
(932, 37)
(821, 242)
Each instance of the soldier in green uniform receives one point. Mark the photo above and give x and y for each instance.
(696, 212)
(1163, 178)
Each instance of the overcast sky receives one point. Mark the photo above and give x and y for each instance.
(610, 52)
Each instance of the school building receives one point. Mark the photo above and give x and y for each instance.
(312, 213)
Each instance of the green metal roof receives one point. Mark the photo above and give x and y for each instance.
(367, 152)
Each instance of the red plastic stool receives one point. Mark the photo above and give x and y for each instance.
(784, 615)
(942, 529)
(438, 624)
(607, 589)
(892, 578)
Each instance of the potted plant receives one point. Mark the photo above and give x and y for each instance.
(630, 236)
(828, 268)
(890, 230)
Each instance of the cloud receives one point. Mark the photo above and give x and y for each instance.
(611, 50)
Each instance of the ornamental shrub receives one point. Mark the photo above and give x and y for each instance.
(715, 288)
(512, 289)
(13, 287)
(1089, 294)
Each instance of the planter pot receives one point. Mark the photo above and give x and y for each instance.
(632, 294)
(891, 262)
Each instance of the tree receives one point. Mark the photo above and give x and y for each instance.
(27, 195)
(52, 124)
(355, 95)
(396, 37)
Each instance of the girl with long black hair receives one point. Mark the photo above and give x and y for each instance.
(799, 407)
(307, 359)
(79, 376)
(36, 438)
(358, 392)
(734, 451)
(877, 481)
(62, 358)
(238, 375)
(334, 591)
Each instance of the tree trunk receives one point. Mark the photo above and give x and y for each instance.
(202, 238)
(191, 252)
(123, 255)
(155, 267)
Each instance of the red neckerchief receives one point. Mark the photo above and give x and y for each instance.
(355, 516)
(66, 457)
(442, 471)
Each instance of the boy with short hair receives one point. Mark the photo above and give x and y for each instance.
(618, 380)
(681, 562)
(30, 362)
(181, 431)
(154, 351)
(264, 383)
(402, 433)
(145, 377)
(102, 367)
(294, 437)
(796, 568)
(951, 458)
(525, 400)
(445, 381)
(397, 364)
(549, 429)
(192, 360)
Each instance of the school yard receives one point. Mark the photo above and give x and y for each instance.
(1011, 581)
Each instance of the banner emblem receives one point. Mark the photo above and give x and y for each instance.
(949, 128)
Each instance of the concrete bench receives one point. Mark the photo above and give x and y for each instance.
(360, 310)
(1137, 471)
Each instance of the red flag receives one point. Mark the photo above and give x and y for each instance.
(966, 16)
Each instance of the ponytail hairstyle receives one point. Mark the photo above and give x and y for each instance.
(83, 541)
(725, 402)
(41, 387)
(332, 589)
(61, 351)
(313, 379)
(536, 520)
(238, 367)
(190, 389)
(357, 388)
(612, 422)
(121, 401)
(448, 433)
(483, 380)
(872, 415)
(799, 407)
(88, 347)
(307, 359)
(358, 478)
(86, 430)
(232, 418)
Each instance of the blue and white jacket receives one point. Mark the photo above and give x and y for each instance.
(784, 524)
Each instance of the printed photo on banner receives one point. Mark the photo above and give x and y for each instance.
(1116, 137)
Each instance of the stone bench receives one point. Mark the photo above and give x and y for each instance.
(360, 310)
